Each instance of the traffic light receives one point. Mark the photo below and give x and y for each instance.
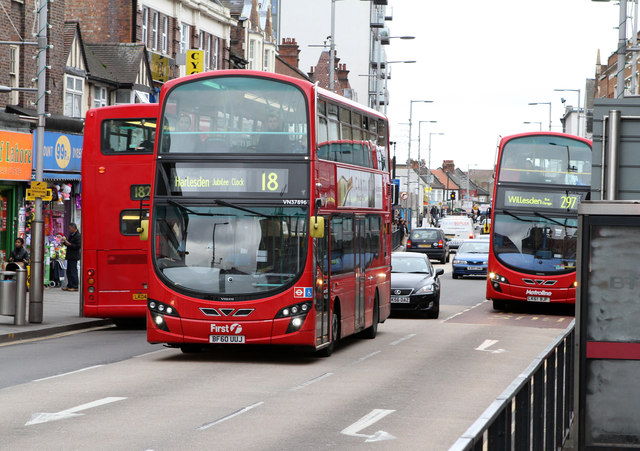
(452, 195)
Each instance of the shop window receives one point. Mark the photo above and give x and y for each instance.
(130, 221)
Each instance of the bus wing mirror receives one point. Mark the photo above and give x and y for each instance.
(143, 230)
(317, 227)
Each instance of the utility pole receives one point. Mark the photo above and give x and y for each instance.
(37, 236)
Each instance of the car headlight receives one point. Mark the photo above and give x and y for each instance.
(427, 289)
(459, 262)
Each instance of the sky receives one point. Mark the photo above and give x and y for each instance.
(482, 63)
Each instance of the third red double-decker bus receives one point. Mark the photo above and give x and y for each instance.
(270, 218)
(117, 158)
(540, 179)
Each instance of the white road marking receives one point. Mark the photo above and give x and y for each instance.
(228, 417)
(366, 357)
(400, 340)
(464, 311)
(310, 381)
(38, 418)
(66, 374)
(366, 421)
(487, 344)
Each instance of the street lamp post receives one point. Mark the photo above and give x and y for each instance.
(534, 122)
(420, 193)
(468, 176)
(578, 121)
(387, 75)
(378, 40)
(411, 102)
(544, 103)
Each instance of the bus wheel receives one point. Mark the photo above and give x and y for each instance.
(372, 331)
(498, 304)
(190, 348)
(335, 336)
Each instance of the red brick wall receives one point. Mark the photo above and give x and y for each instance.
(102, 20)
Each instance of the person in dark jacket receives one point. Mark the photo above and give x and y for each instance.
(73, 244)
(18, 255)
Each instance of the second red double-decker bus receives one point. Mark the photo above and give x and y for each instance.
(540, 179)
(117, 158)
(270, 218)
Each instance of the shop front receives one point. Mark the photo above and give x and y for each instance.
(62, 155)
(16, 157)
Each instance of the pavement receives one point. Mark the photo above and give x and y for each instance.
(61, 312)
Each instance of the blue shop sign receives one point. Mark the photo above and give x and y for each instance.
(61, 152)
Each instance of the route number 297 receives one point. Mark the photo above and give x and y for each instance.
(269, 181)
(569, 202)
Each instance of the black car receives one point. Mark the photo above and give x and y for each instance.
(430, 241)
(415, 286)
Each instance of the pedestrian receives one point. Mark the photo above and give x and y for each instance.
(405, 231)
(18, 255)
(73, 244)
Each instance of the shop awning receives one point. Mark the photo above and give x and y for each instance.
(58, 176)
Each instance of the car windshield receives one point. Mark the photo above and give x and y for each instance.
(228, 248)
(536, 244)
(479, 247)
(424, 234)
(410, 265)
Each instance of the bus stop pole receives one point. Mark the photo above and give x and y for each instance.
(37, 236)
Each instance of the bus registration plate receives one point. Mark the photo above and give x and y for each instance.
(538, 299)
(226, 338)
(139, 296)
(400, 299)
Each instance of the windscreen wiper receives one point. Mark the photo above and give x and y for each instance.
(550, 219)
(188, 210)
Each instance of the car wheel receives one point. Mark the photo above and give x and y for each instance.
(448, 257)
(335, 336)
(372, 331)
(434, 312)
(455, 276)
(444, 259)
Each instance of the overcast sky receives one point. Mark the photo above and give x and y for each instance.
(483, 62)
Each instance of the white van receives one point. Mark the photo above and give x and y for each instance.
(457, 229)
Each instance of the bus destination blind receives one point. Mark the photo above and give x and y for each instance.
(229, 179)
(551, 201)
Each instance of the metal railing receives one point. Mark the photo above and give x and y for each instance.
(396, 239)
(535, 412)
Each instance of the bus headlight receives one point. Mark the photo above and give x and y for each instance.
(297, 313)
(158, 311)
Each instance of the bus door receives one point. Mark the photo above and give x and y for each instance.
(360, 250)
(322, 298)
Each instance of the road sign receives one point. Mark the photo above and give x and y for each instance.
(404, 195)
(39, 189)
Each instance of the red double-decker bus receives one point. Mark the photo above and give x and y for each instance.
(271, 213)
(540, 180)
(117, 156)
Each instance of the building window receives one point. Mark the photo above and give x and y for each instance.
(165, 34)
(99, 96)
(207, 54)
(145, 24)
(154, 32)
(184, 38)
(266, 59)
(73, 96)
(216, 46)
(252, 53)
(14, 72)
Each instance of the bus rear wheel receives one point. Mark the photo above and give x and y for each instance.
(372, 331)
